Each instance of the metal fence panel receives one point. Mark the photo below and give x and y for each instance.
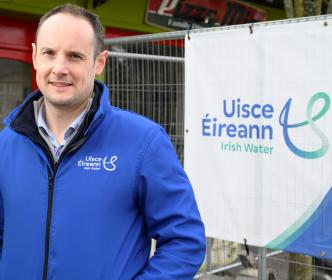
(147, 77)
(145, 74)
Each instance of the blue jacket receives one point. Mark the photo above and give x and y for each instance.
(91, 216)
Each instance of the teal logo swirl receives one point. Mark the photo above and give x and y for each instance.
(283, 121)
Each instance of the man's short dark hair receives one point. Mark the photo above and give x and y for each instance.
(78, 12)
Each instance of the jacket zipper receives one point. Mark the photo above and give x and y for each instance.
(49, 217)
(51, 179)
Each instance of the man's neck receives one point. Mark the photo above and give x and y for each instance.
(58, 120)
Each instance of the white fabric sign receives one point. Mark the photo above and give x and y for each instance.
(258, 134)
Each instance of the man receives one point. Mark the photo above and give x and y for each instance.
(85, 186)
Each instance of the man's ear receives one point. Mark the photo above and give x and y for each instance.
(34, 53)
(101, 61)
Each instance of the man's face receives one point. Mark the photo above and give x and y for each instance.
(64, 59)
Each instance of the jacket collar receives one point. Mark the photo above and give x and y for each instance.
(22, 119)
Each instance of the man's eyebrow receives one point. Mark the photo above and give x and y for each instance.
(46, 49)
(76, 53)
(68, 53)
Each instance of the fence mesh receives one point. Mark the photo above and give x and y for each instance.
(151, 82)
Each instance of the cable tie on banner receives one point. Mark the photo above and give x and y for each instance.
(246, 246)
(188, 34)
(251, 28)
(245, 258)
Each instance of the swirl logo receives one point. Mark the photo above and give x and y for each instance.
(110, 164)
(283, 120)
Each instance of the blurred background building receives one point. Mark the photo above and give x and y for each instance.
(19, 19)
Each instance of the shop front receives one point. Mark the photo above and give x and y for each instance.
(16, 71)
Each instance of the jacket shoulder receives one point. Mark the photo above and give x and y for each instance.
(6, 134)
(9, 142)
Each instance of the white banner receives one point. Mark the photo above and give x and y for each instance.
(258, 135)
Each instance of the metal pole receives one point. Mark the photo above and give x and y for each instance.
(209, 241)
(181, 34)
(145, 56)
(231, 266)
(262, 264)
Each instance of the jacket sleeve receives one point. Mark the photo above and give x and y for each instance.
(168, 203)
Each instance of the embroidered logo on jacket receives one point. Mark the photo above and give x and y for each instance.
(97, 163)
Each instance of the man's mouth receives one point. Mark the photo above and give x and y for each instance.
(60, 84)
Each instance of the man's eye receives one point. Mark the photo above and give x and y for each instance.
(48, 52)
(75, 56)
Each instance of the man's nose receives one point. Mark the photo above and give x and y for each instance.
(60, 66)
